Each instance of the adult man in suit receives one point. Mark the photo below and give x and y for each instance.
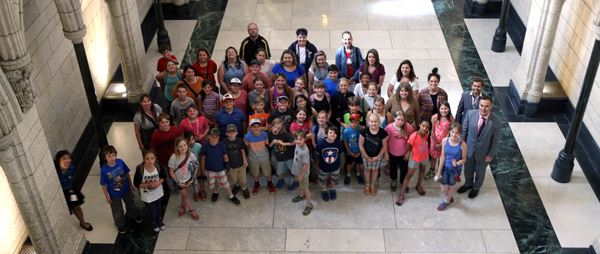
(481, 131)
(470, 99)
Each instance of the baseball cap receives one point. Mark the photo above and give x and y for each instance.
(355, 116)
(255, 120)
(214, 131)
(235, 81)
(227, 97)
(231, 127)
(255, 61)
(283, 97)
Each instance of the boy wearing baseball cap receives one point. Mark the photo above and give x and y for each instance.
(258, 155)
(217, 166)
(230, 115)
(282, 112)
(350, 139)
(236, 151)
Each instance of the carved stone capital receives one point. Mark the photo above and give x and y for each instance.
(21, 85)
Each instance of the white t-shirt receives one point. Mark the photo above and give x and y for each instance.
(358, 90)
(394, 81)
(184, 173)
(267, 67)
(301, 55)
(150, 195)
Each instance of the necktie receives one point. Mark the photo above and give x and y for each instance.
(481, 128)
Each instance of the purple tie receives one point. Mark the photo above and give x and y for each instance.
(481, 128)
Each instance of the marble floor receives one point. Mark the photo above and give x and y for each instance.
(356, 223)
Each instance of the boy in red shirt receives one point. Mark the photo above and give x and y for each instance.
(165, 51)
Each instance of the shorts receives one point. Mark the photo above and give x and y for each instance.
(334, 175)
(283, 166)
(448, 176)
(414, 164)
(304, 183)
(350, 159)
(179, 187)
(372, 165)
(238, 174)
(217, 176)
(256, 167)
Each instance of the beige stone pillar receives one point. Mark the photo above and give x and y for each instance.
(535, 57)
(126, 24)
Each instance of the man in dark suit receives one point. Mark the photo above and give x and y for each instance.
(470, 99)
(481, 131)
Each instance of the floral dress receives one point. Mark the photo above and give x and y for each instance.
(441, 131)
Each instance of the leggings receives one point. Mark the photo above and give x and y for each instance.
(395, 163)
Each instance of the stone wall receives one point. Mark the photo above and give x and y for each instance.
(12, 232)
(571, 51)
(143, 7)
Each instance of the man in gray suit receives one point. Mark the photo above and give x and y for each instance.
(470, 99)
(481, 131)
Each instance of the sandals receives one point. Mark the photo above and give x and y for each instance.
(181, 211)
(194, 215)
(420, 190)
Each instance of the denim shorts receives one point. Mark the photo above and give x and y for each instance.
(283, 166)
(179, 187)
(448, 176)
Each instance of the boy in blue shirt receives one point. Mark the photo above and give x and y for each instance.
(331, 86)
(117, 186)
(217, 166)
(350, 139)
(329, 151)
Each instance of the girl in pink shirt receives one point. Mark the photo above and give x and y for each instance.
(194, 123)
(398, 131)
(417, 151)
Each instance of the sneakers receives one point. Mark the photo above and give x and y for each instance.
(196, 197)
(399, 200)
(429, 174)
(373, 190)
(394, 185)
(420, 190)
(202, 195)
(255, 190)
(161, 225)
(215, 198)
(293, 186)
(279, 184)
(443, 206)
(154, 226)
(122, 230)
(347, 180)
(333, 195)
(138, 219)
(236, 201)
(307, 210)
(367, 189)
(246, 193)
(194, 215)
(298, 198)
(235, 190)
(181, 211)
(325, 195)
(361, 180)
(271, 188)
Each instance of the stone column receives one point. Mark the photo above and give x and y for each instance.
(125, 21)
(530, 76)
(14, 56)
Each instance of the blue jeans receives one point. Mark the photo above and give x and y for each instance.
(154, 210)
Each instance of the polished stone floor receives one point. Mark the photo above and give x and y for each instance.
(356, 223)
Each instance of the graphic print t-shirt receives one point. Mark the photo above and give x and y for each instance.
(115, 179)
(329, 155)
(373, 142)
(183, 173)
(283, 153)
(351, 136)
(420, 151)
(149, 195)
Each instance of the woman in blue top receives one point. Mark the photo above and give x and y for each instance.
(73, 196)
(348, 58)
(232, 67)
(289, 66)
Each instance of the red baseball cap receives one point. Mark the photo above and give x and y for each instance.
(355, 116)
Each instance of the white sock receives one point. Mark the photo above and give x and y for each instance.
(357, 174)
(231, 196)
(348, 175)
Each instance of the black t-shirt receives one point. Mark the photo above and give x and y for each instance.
(249, 47)
(339, 104)
(321, 105)
(286, 116)
(283, 153)
(234, 151)
(373, 143)
(434, 100)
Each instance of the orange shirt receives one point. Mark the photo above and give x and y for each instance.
(262, 117)
(420, 151)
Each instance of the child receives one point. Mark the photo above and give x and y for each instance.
(281, 88)
(329, 162)
(194, 147)
(373, 146)
(283, 148)
(360, 89)
(258, 155)
(260, 114)
(441, 123)
(117, 187)
(300, 170)
(350, 139)
(282, 112)
(319, 133)
(236, 151)
(302, 101)
(182, 165)
(162, 142)
(299, 88)
(209, 102)
(331, 82)
(165, 51)
(317, 100)
(195, 123)
(179, 106)
(398, 131)
(217, 166)
(385, 117)
(366, 103)
(259, 91)
(303, 123)
(417, 152)
(453, 149)
(353, 108)
(339, 102)
(149, 178)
